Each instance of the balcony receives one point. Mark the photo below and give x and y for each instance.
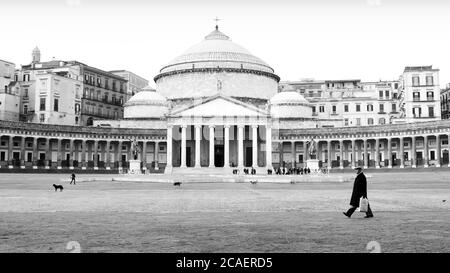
(115, 103)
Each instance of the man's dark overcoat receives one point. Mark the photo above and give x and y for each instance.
(359, 189)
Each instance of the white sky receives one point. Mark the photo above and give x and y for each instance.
(321, 39)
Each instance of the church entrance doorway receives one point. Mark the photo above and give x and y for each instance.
(218, 156)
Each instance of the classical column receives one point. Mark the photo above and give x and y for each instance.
(240, 146)
(169, 149)
(413, 152)
(48, 154)
(341, 159)
(226, 146)
(255, 146)
(35, 152)
(144, 155)
(119, 155)
(156, 155)
(10, 152)
(211, 146)
(402, 157)
(448, 145)
(71, 154)
(95, 153)
(22, 153)
(425, 151)
(59, 155)
(197, 145)
(83, 154)
(353, 153)
(366, 161)
(305, 150)
(329, 158)
(108, 155)
(183, 146)
(389, 152)
(438, 151)
(269, 147)
(377, 153)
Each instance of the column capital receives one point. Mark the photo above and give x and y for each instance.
(211, 126)
(184, 126)
(240, 125)
(255, 126)
(198, 126)
(227, 126)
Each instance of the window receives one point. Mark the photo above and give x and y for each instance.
(358, 122)
(430, 95)
(429, 80)
(369, 107)
(313, 108)
(416, 96)
(415, 81)
(25, 109)
(394, 107)
(346, 108)
(334, 109)
(382, 121)
(381, 94)
(42, 117)
(76, 120)
(42, 104)
(25, 93)
(387, 94)
(381, 107)
(370, 121)
(417, 112)
(358, 108)
(346, 122)
(431, 111)
(394, 95)
(321, 108)
(55, 105)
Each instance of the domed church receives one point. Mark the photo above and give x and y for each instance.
(219, 104)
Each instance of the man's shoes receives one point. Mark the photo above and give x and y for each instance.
(368, 216)
(345, 213)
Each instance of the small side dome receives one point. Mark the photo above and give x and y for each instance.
(146, 104)
(290, 104)
(288, 97)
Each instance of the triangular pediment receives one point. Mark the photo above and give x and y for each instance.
(220, 106)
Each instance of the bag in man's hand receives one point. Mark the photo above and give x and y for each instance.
(363, 204)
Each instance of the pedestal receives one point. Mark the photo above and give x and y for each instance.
(135, 167)
(312, 164)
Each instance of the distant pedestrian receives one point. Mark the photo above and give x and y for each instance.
(359, 190)
(73, 179)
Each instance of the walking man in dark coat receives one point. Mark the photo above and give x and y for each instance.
(359, 190)
(73, 179)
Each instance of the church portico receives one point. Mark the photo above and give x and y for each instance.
(218, 145)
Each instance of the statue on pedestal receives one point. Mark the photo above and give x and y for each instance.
(135, 149)
(312, 150)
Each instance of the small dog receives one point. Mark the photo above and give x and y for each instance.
(60, 187)
(253, 181)
(177, 184)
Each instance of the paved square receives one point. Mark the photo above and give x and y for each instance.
(410, 215)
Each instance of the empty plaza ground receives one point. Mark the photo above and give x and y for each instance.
(111, 216)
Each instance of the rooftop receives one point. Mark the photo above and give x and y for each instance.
(419, 68)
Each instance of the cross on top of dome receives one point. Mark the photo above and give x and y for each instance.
(216, 34)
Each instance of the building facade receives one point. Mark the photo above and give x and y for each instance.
(445, 102)
(84, 93)
(217, 106)
(135, 83)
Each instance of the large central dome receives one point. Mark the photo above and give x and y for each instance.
(217, 65)
(217, 50)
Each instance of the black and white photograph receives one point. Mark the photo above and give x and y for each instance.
(234, 127)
